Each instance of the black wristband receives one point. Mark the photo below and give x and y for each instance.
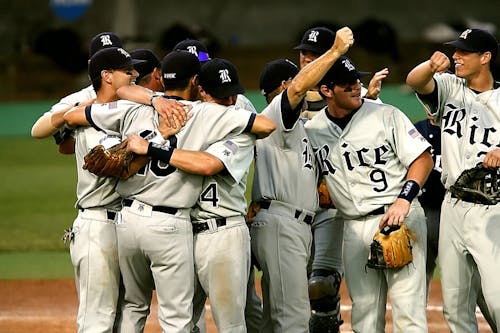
(410, 190)
(159, 152)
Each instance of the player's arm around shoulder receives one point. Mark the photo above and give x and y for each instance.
(262, 126)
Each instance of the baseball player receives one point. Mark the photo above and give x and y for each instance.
(465, 106)
(160, 197)
(284, 186)
(374, 162)
(326, 269)
(149, 71)
(93, 244)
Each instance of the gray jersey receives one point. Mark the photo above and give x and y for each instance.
(92, 191)
(77, 97)
(285, 168)
(365, 165)
(159, 183)
(224, 193)
(470, 124)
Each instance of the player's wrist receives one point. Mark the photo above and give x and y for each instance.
(159, 152)
(409, 191)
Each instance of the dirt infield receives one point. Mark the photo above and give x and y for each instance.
(37, 306)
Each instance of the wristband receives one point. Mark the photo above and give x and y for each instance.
(159, 152)
(410, 190)
(151, 99)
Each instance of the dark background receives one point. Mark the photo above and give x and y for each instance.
(43, 53)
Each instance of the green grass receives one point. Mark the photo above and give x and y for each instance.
(36, 265)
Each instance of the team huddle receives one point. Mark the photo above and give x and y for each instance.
(341, 189)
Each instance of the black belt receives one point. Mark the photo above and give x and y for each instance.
(378, 211)
(308, 219)
(203, 226)
(162, 209)
(110, 215)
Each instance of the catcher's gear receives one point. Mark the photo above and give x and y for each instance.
(324, 196)
(478, 185)
(391, 247)
(324, 286)
(115, 161)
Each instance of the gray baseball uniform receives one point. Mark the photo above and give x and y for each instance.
(155, 236)
(365, 165)
(221, 236)
(93, 248)
(285, 185)
(469, 124)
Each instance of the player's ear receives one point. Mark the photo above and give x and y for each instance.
(325, 90)
(486, 57)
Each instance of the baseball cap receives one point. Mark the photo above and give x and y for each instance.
(179, 65)
(342, 71)
(317, 40)
(476, 40)
(274, 73)
(150, 62)
(102, 41)
(195, 47)
(110, 58)
(219, 78)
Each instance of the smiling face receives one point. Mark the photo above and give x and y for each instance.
(468, 64)
(344, 97)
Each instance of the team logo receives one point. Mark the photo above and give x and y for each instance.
(224, 75)
(106, 40)
(313, 36)
(348, 65)
(192, 49)
(125, 53)
(465, 34)
(170, 76)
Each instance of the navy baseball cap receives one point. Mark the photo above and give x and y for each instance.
(317, 40)
(151, 62)
(219, 78)
(274, 73)
(195, 47)
(102, 41)
(342, 71)
(476, 40)
(110, 58)
(179, 65)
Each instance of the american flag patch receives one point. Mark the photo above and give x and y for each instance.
(414, 133)
(112, 105)
(233, 147)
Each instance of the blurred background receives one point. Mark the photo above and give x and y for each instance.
(44, 47)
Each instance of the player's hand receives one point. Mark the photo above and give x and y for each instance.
(439, 62)
(396, 213)
(253, 209)
(166, 130)
(173, 111)
(344, 39)
(375, 85)
(137, 144)
(492, 159)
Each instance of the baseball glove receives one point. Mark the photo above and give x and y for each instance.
(391, 248)
(324, 196)
(478, 185)
(115, 161)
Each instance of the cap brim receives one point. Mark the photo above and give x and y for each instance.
(137, 61)
(307, 47)
(226, 91)
(363, 74)
(460, 44)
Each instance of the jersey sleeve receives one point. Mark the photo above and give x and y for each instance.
(220, 121)
(235, 153)
(108, 117)
(72, 99)
(407, 141)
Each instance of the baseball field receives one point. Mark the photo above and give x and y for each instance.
(36, 204)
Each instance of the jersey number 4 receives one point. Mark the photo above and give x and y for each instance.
(209, 194)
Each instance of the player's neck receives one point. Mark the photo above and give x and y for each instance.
(481, 82)
(106, 94)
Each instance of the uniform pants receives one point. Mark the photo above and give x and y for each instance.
(368, 288)
(156, 250)
(94, 256)
(327, 244)
(222, 266)
(432, 216)
(469, 258)
(282, 246)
